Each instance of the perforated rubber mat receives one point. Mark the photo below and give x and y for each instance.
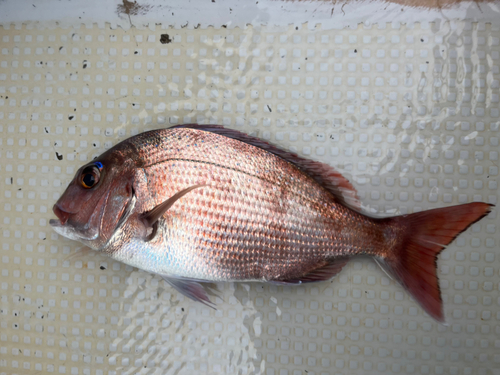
(410, 114)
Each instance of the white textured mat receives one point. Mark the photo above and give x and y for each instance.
(409, 114)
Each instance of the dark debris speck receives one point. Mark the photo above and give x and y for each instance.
(165, 39)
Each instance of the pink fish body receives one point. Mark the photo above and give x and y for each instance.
(204, 203)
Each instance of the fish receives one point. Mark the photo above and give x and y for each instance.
(198, 204)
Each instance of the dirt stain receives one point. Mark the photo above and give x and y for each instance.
(429, 4)
(132, 8)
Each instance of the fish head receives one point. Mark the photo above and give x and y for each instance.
(95, 202)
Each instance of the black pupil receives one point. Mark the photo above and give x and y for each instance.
(89, 179)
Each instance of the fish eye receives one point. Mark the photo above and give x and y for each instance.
(90, 177)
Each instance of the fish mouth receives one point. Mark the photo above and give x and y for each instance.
(61, 214)
(66, 228)
(55, 223)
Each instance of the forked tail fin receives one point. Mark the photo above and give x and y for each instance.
(424, 234)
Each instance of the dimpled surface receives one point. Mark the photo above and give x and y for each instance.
(256, 217)
(411, 118)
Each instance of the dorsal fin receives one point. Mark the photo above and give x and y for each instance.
(323, 174)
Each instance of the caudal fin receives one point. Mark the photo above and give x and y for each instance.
(424, 234)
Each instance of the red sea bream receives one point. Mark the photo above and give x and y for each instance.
(199, 204)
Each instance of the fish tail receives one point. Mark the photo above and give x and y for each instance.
(423, 235)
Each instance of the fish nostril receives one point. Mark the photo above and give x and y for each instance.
(63, 216)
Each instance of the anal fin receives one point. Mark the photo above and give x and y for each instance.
(323, 273)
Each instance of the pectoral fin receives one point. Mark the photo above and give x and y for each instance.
(152, 216)
(190, 288)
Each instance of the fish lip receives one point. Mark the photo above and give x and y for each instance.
(58, 206)
(55, 223)
(61, 214)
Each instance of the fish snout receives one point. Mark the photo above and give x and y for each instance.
(62, 215)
